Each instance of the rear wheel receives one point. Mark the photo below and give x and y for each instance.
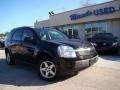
(0, 44)
(9, 59)
(47, 69)
(119, 51)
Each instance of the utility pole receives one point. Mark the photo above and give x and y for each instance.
(87, 3)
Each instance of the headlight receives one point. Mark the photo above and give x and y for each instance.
(94, 44)
(66, 52)
(115, 44)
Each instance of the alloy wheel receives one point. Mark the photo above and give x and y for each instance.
(48, 69)
(8, 58)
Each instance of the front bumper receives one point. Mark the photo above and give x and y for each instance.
(71, 66)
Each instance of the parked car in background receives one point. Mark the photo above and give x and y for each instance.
(104, 42)
(119, 49)
(51, 51)
(1, 44)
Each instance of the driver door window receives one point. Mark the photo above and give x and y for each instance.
(44, 35)
(27, 33)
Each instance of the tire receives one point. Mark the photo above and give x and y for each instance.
(47, 69)
(119, 51)
(9, 59)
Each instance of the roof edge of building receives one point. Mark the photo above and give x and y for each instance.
(84, 7)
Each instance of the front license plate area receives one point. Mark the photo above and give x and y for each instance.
(81, 64)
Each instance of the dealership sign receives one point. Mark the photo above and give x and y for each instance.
(97, 12)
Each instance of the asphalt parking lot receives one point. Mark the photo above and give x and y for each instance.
(104, 75)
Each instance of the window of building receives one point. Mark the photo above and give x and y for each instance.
(93, 28)
(102, 27)
(88, 30)
(71, 31)
(65, 29)
(75, 31)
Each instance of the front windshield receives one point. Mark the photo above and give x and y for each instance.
(56, 35)
(51, 35)
(104, 35)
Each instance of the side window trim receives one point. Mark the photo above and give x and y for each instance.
(23, 34)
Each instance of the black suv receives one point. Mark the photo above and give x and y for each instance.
(49, 50)
(104, 42)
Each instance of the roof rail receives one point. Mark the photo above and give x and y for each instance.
(49, 28)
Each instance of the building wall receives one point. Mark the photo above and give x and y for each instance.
(64, 18)
(114, 27)
(82, 32)
(41, 24)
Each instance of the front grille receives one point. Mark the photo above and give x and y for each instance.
(83, 57)
(104, 44)
(87, 54)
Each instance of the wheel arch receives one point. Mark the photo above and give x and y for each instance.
(6, 50)
(46, 54)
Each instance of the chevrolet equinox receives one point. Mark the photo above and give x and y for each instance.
(51, 51)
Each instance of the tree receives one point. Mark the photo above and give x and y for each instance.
(6, 33)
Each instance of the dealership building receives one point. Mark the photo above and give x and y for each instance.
(86, 21)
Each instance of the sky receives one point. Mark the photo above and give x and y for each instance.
(17, 13)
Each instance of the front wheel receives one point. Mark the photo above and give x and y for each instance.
(9, 59)
(47, 69)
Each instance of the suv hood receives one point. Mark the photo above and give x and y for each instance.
(73, 43)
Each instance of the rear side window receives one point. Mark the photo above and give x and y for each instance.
(17, 36)
(8, 38)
